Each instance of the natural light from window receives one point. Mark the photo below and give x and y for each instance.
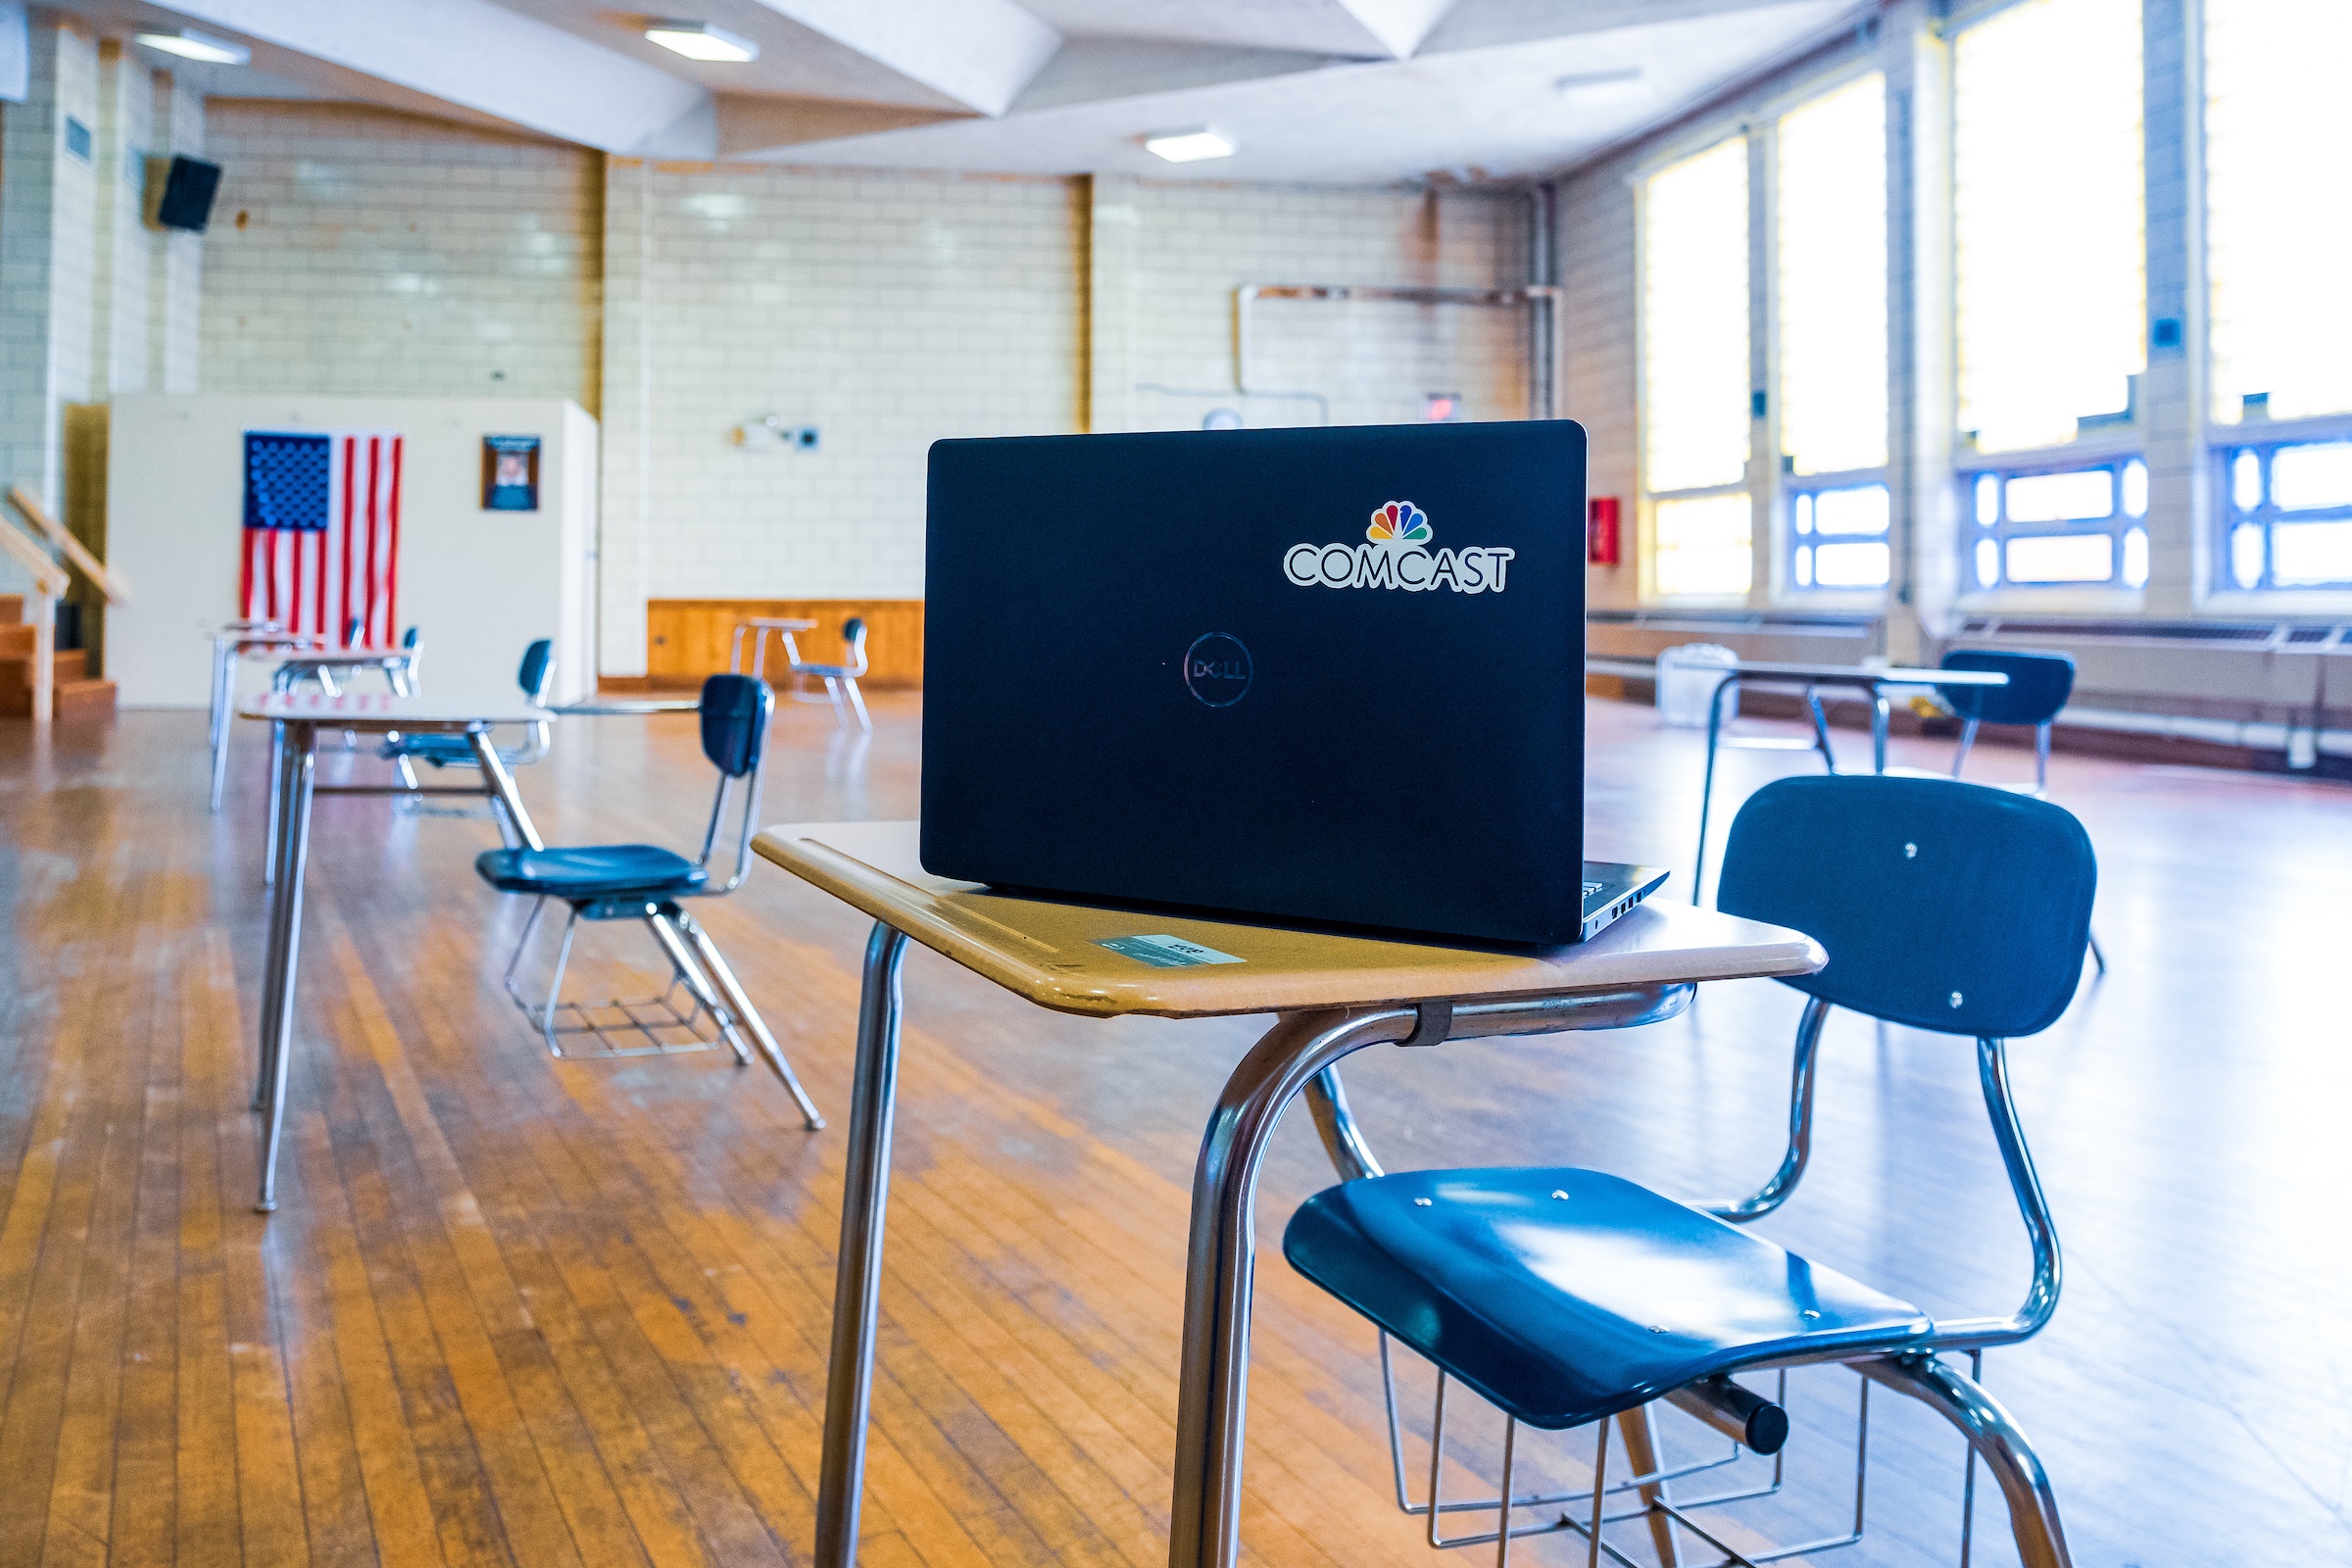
(2277, 228)
(1831, 218)
(1694, 322)
(2051, 200)
(1704, 545)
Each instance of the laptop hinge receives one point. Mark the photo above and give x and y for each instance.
(1435, 1023)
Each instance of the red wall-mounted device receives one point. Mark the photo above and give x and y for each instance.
(1601, 534)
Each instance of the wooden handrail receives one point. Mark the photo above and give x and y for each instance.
(48, 577)
(89, 566)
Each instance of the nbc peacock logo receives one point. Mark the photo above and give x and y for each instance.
(1395, 553)
(1400, 521)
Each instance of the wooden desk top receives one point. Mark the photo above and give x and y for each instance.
(1053, 952)
(382, 710)
(1860, 673)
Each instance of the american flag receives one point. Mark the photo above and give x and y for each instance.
(322, 533)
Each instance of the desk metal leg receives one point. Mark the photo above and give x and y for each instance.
(225, 681)
(502, 787)
(858, 1281)
(285, 947)
(1706, 788)
(277, 794)
(1878, 730)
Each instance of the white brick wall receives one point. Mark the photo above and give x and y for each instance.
(357, 251)
(1373, 362)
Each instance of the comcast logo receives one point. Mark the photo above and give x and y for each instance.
(1395, 553)
(1398, 519)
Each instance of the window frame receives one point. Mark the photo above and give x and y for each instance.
(2225, 443)
(2115, 458)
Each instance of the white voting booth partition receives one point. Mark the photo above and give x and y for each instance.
(481, 583)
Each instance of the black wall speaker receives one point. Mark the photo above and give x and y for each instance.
(181, 191)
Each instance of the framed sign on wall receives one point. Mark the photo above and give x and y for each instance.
(510, 474)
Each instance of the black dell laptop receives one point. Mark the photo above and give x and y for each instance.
(1330, 675)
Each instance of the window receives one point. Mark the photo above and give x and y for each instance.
(2050, 221)
(1831, 218)
(1838, 537)
(2286, 513)
(2277, 228)
(2079, 525)
(1830, 172)
(1695, 361)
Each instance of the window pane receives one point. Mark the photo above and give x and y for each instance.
(2050, 199)
(2135, 557)
(2303, 554)
(2245, 556)
(1858, 508)
(2303, 477)
(1833, 279)
(2136, 489)
(2245, 481)
(2062, 497)
(2061, 557)
(2276, 227)
(1988, 563)
(1705, 545)
(1852, 565)
(1694, 321)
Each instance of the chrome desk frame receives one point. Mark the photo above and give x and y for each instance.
(1214, 1382)
(1992, 1433)
(296, 783)
(1872, 683)
(233, 642)
(399, 669)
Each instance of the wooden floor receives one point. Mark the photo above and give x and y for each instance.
(518, 1310)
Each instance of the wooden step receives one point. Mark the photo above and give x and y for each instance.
(11, 609)
(85, 701)
(16, 641)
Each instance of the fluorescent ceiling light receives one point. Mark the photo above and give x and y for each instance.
(1188, 146)
(191, 46)
(1603, 84)
(700, 41)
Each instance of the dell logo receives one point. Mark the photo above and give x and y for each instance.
(1216, 669)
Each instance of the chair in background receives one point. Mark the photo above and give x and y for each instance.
(536, 677)
(645, 882)
(2039, 683)
(1567, 1297)
(841, 680)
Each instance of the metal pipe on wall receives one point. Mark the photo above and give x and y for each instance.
(1542, 386)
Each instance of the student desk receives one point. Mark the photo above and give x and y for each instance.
(1872, 683)
(1333, 994)
(240, 639)
(299, 717)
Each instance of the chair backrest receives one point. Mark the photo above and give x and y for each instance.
(734, 711)
(1942, 906)
(538, 670)
(413, 637)
(2039, 683)
(852, 634)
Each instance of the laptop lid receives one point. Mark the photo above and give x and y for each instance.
(1330, 674)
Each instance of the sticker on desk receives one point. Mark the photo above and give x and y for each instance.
(1165, 952)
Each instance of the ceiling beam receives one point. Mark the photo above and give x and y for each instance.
(1399, 25)
(481, 57)
(981, 53)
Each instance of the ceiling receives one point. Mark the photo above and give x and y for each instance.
(1314, 90)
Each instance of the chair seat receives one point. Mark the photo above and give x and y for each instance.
(592, 871)
(442, 750)
(1564, 1311)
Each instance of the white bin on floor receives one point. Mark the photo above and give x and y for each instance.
(1686, 679)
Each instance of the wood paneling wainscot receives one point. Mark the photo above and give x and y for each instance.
(687, 639)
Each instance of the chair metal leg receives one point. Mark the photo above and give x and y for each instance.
(1993, 1436)
(732, 989)
(2042, 757)
(1879, 725)
(673, 947)
(1707, 788)
(1967, 738)
(857, 702)
(857, 1282)
(1640, 1435)
(224, 689)
(408, 775)
(1351, 1155)
(1821, 729)
(554, 986)
(2097, 955)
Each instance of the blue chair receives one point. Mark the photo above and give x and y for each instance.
(645, 882)
(839, 680)
(2040, 681)
(1567, 1297)
(536, 676)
